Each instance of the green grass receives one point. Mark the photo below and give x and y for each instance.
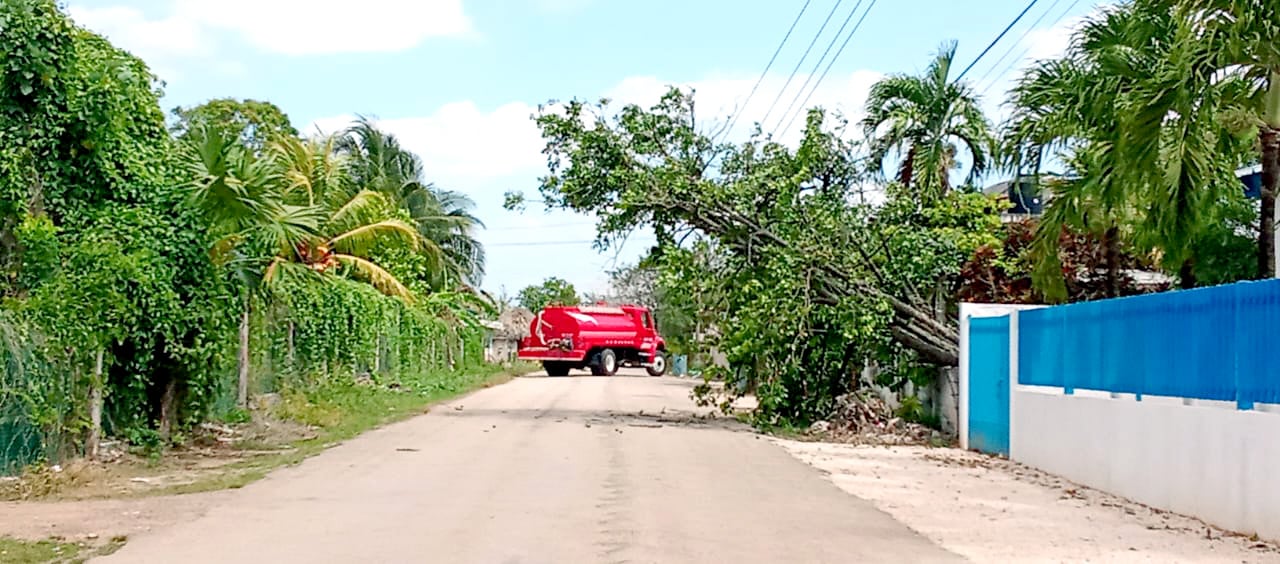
(344, 411)
(17, 551)
(53, 551)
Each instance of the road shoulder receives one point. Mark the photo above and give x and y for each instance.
(992, 510)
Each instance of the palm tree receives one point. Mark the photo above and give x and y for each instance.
(247, 216)
(1139, 129)
(1239, 38)
(444, 218)
(350, 221)
(925, 119)
(291, 211)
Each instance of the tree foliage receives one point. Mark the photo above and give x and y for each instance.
(552, 291)
(253, 123)
(1141, 123)
(788, 270)
(927, 120)
(125, 241)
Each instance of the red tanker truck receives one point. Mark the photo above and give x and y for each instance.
(598, 337)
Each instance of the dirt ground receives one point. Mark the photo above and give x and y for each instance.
(587, 469)
(992, 510)
(578, 469)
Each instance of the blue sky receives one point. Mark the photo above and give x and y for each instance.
(458, 79)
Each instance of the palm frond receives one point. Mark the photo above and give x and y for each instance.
(360, 239)
(377, 276)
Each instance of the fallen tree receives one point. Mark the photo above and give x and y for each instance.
(810, 280)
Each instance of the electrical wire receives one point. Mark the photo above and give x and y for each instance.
(1024, 52)
(830, 63)
(1017, 42)
(756, 86)
(997, 39)
(796, 70)
(818, 64)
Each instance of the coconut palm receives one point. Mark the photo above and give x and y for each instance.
(926, 119)
(444, 218)
(350, 223)
(247, 215)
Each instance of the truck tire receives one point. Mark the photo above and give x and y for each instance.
(608, 363)
(657, 365)
(556, 368)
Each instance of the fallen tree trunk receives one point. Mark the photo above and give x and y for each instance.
(913, 326)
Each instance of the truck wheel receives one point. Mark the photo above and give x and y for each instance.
(658, 365)
(556, 368)
(608, 362)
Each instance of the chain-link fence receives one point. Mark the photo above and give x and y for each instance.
(319, 334)
(33, 397)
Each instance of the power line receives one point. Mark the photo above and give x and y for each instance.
(801, 61)
(1024, 52)
(755, 87)
(1017, 42)
(1007, 68)
(830, 63)
(818, 64)
(997, 39)
(551, 243)
(539, 243)
(528, 227)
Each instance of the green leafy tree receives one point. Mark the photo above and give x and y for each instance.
(254, 123)
(552, 291)
(926, 119)
(798, 281)
(86, 153)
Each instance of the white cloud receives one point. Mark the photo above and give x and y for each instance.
(459, 143)
(148, 38)
(311, 27)
(189, 29)
(162, 42)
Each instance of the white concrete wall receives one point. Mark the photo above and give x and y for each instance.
(1219, 464)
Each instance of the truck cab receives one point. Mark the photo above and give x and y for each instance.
(598, 337)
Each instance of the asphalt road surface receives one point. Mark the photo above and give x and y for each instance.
(555, 470)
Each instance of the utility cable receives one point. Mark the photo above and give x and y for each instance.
(830, 63)
(1017, 42)
(738, 114)
(818, 64)
(997, 39)
(1024, 52)
(801, 61)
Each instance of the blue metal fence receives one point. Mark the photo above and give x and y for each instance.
(1210, 343)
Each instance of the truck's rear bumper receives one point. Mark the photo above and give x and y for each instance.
(545, 354)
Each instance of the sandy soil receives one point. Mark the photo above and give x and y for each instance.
(545, 470)
(992, 510)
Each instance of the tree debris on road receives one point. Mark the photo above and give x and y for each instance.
(864, 418)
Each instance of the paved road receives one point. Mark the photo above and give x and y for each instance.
(554, 470)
